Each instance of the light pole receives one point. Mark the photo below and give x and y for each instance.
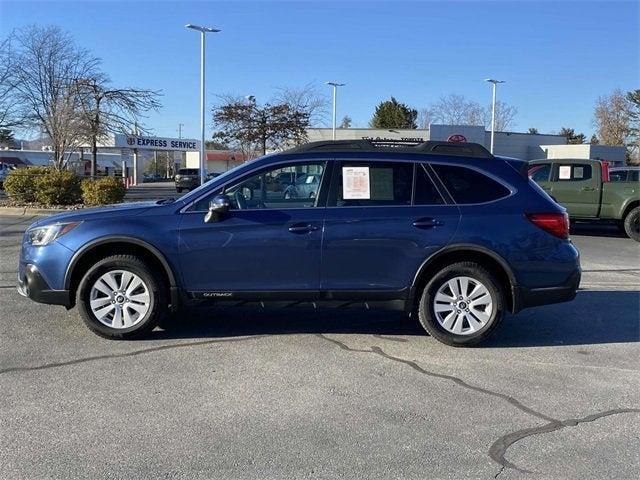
(202, 31)
(493, 108)
(335, 86)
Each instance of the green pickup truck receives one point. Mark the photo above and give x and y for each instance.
(583, 188)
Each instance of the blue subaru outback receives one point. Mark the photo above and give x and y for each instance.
(445, 231)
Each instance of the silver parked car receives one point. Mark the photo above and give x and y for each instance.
(305, 186)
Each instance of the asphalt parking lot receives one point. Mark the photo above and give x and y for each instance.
(327, 394)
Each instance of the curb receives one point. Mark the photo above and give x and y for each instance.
(22, 211)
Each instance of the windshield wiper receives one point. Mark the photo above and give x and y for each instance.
(165, 200)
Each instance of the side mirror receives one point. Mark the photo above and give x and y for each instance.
(219, 205)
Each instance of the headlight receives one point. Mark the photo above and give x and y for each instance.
(40, 236)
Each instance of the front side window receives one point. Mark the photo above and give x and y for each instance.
(291, 186)
(364, 184)
(469, 186)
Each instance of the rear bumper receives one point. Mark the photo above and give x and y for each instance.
(31, 284)
(533, 297)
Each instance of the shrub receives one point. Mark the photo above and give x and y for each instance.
(20, 183)
(58, 188)
(104, 191)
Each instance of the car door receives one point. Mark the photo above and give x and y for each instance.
(265, 243)
(378, 231)
(576, 187)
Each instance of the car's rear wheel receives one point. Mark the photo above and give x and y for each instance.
(632, 224)
(461, 305)
(120, 297)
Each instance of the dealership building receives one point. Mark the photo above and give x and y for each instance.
(527, 146)
(135, 154)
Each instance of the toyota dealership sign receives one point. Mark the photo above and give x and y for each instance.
(157, 143)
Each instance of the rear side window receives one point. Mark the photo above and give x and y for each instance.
(425, 191)
(540, 172)
(469, 186)
(573, 173)
(188, 171)
(363, 184)
(618, 176)
(634, 176)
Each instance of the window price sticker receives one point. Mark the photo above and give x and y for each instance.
(356, 183)
(564, 172)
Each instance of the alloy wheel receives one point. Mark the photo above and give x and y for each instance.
(463, 305)
(120, 299)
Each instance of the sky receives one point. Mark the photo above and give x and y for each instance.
(557, 57)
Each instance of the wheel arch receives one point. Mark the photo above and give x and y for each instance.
(490, 260)
(112, 245)
(628, 207)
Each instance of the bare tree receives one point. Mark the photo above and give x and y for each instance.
(425, 118)
(505, 116)
(455, 109)
(633, 97)
(47, 63)
(244, 123)
(612, 120)
(307, 99)
(106, 110)
(9, 112)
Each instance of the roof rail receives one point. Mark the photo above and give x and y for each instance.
(465, 149)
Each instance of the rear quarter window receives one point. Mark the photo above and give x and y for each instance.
(469, 186)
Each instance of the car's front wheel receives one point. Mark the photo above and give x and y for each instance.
(120, 297)
(461, 305)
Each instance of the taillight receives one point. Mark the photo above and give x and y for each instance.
(556, 224)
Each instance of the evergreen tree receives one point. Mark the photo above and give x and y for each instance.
(393, 114)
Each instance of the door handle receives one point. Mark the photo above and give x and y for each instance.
(427, 223)
(588, 189)
(302, 228)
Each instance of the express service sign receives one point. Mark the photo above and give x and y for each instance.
(157, 143)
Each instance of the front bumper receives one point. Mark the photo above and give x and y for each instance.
(533, 297)
(187, 183)
(31, 284)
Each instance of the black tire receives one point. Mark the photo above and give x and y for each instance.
(178, 189)
(632, 224)
(427, 316)
(157, 292)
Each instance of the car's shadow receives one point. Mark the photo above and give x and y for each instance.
(597, 230)
(594, 317)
